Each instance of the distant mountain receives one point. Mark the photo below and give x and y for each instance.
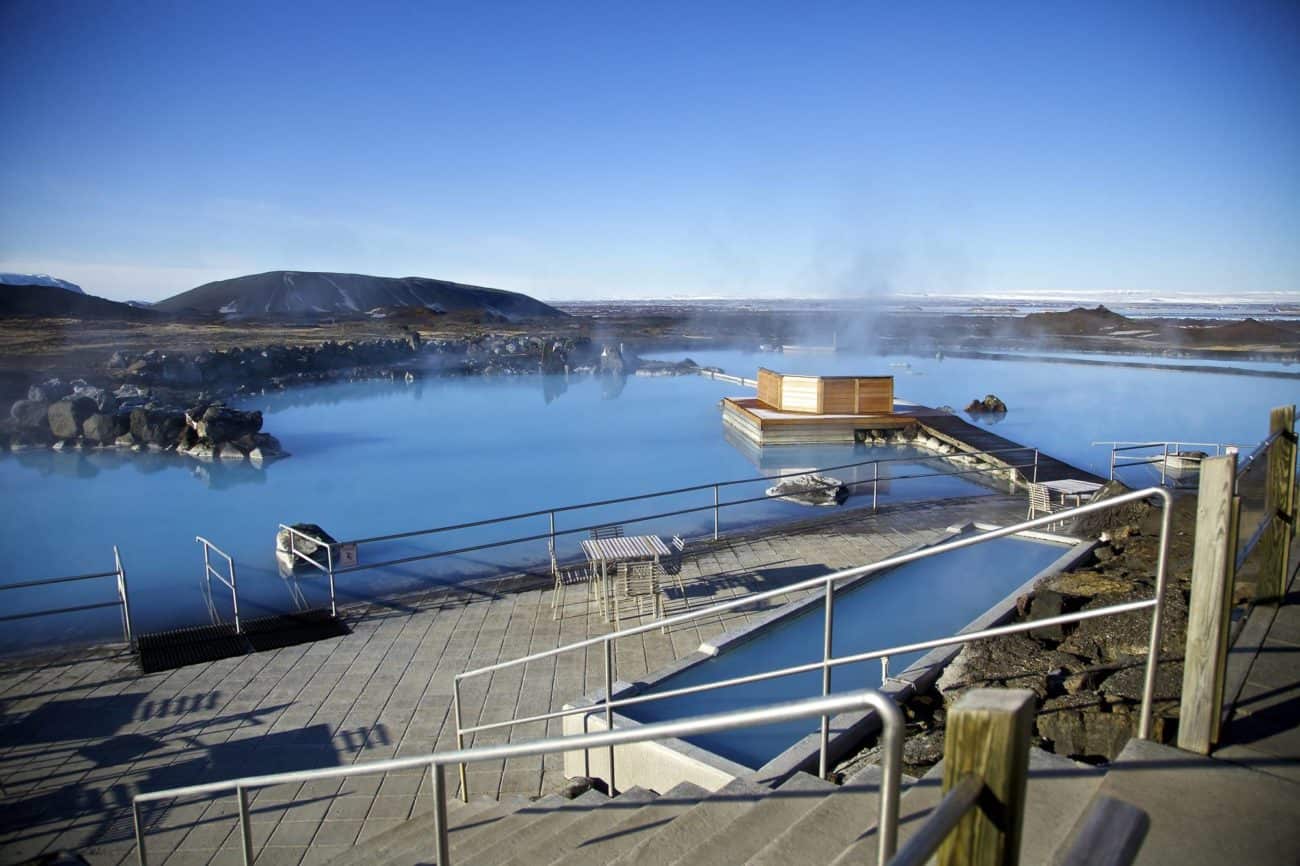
(308, 293)
(39, 280)
(46, 300)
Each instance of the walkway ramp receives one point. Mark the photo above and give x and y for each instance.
(972, 437)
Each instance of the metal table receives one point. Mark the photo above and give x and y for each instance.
(1074, 488)
(601, 552)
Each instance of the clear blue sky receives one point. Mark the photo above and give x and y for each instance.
(654, 149)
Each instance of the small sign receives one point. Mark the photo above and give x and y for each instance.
(345, 555)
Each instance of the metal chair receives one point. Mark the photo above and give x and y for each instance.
(1040, 501)
(639, 580)
(568, 576)
(613, 530)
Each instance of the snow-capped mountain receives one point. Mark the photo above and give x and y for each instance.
(39, 280)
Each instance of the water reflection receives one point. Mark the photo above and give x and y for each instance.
(218, 474)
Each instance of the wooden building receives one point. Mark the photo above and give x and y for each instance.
(803, 410)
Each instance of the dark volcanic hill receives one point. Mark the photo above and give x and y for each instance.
(313, 293)
(56, 302)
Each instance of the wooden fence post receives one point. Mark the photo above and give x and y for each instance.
(988, 736)
(1213, 561)
(1280, 506)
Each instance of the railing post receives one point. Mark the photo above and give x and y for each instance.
(138, 820)
(460, 738)
(329, 562)
(875, 483)
(553, 551)
(1112, 463)
(121, 591)
(440, 814)
(884, 670)
(1210, 604)
(988, 737)
(823, 761)
(1281, 507)
(609, 711)
(1164, 465)
(715, 512)
(234, 595)
(1157, 615)
(245, 828)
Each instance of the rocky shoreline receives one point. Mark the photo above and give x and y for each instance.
(161, 401)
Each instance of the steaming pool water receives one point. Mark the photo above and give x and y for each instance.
(373, 458)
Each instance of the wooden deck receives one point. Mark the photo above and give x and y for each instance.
(763, 425)
(971, 437)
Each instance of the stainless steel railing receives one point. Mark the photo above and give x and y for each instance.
(123, 600)
(1026, 471)
(1120, 458)
(891, 764)
(827, 583)
(327, 567)
(229, 579)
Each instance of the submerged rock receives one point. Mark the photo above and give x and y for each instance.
(990, 405)
(810, 489)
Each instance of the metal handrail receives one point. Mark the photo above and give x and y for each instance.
(1168, 448)
(123, 601)
(328, 568)
(396, 536)
(209, 572)
(891, 764)
(827, 582)
(553, 533)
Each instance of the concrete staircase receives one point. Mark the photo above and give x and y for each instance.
(1202, 811)
(803, 820)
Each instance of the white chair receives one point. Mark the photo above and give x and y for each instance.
(1040, 501)
(639, 580)
(568, 576)
(614, 530)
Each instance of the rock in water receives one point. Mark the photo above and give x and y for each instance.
(100, 428)
(221, 423)
(30, 414)
(312, 546)
(66, 416)
(810, 489)
(990, 405)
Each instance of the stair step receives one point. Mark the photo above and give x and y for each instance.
(1057, 793)
(1204, 810)
(508, 825)
(414, 836)
(712, 814)
(740, 839)
(542, 846)
(823, 831)
(529, 825)
(600, 849)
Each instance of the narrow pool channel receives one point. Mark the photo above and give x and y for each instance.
(921, 600)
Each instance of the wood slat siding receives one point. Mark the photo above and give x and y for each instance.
(769, 387)
(800, 394)
(839, 396)
(875, 394)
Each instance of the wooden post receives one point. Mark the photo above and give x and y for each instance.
(988, 736)
(1213, 558)
(1280, 508)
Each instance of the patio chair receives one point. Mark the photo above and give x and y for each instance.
(568, 576)
(613, 530)
(672, 565)
(639, 580)
(1040, 501)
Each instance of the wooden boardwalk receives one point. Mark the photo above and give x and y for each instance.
(81, 733)
(968, 436)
